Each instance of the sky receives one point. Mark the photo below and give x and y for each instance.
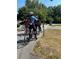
(21, 3)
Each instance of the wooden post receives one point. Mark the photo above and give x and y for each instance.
(43, 27)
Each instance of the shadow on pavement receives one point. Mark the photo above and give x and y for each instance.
(22, 43)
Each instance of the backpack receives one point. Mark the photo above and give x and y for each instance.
(33, 20)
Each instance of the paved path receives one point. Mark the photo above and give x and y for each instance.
(25, 52)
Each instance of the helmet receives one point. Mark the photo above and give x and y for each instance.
(31, 13)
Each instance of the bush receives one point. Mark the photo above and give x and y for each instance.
(57, 20)
(49, 20)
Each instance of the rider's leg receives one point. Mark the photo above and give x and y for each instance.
(36, 28)
(35, 31)
(30, 33)
(39, 26)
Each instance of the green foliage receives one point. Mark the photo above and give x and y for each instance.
(50, 18)
(21, 13)
(44, 13)
(57, 19)
(57, 14)
(57, 10)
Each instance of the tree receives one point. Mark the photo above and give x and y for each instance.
(44, 13)
(57, 14)
(21, 13)
(31, 3)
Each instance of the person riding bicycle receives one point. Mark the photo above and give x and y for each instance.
(38, 24)
(32, 26)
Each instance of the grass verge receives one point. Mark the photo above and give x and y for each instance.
(49, 46)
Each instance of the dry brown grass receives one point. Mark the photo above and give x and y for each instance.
(48, 47)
